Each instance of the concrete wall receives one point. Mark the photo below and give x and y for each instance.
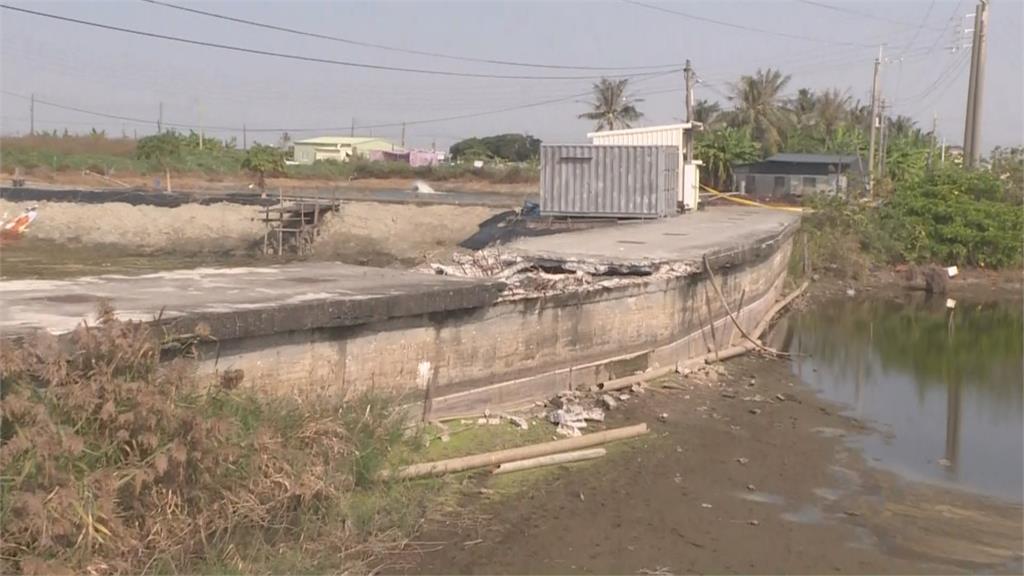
(514, 351)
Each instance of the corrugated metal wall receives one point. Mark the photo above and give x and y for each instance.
(611, 181)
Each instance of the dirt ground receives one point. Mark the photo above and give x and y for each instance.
(733, 479)
(377, 234)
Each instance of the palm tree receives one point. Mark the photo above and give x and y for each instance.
(612, 108)
(758, 107)
(720, 150)
(803, 106)
(831, 109)
(706, 112)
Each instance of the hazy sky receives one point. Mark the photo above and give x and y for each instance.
(124, 75)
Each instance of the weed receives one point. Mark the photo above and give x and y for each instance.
(116, 463)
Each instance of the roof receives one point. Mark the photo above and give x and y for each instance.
(642, 130)
(795, 158)
(338, 140)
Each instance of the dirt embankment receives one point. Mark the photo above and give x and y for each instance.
(361, 233)
(746, 472)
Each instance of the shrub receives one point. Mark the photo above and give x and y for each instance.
(117, 463)
(955, 216)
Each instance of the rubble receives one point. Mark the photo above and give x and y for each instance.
(608, 402)
(526, 278)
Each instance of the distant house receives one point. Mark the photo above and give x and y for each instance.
(338, 148)
(798, 174)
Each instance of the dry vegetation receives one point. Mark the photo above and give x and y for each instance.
(117, 462)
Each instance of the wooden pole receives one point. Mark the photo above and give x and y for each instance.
(453, 465)
(550, 460)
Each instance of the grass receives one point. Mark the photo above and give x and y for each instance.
(117, 462)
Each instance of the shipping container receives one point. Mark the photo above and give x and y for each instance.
(664, 135)
(608, 181)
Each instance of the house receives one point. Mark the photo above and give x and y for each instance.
(798, 174)
(338, 148)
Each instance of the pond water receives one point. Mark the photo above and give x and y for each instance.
(943, 386)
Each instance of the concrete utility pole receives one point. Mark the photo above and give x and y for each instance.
(931, 149)
(882, 144)
(245, 140)
(689, 76)
(160, 119)
(352, 129)
(32, 115)
(403, 135)
(875, 90)
(972, 121)
(199, 104)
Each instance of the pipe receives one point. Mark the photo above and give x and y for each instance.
(550, 460)
(460, 464)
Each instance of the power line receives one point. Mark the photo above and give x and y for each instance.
(917, 32)
(743, 27)
(868, 15)
(452, 118)
(401, 50)
(303, 58)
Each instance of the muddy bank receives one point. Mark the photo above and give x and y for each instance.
(735, 479)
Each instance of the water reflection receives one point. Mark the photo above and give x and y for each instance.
(944, 385)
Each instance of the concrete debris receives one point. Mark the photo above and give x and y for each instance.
(663, 417)
(755, 411)
(728, 393)
(851, 292)
(568, 431)
(608, 402)
(743, 460)
(623, 397)
(751, 488)
(754, 523)
(527, 278)
(488, 420)
(637, 388)
(706, 505)
(517, 421)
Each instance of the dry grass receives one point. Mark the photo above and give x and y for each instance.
(70, 144)
(115, 462)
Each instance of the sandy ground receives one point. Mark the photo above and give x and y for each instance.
(719, 488)
(70, 239)
(387, 234)
(189, 228)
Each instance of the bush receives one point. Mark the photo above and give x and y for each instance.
(117, 463)
(955, 216)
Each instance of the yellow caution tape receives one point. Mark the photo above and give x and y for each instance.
(746, 202)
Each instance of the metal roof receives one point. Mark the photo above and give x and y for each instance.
(641, 130)
(794, 158)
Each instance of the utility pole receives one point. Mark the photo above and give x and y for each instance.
(972, 121)
(875, 89)
(883, 145)
(352, 129)
(32, 115)
(160, 120)
(931, 149)
(688, 76)
(245, 141)
(942, 153)
(199, 104)
(403, 135)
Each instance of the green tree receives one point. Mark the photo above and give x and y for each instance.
(831, 110)
(262, 160)
(706, 112)
(164, 148)
(759, 108)
(612, 108)
(1007, 164)
(905, 159)
(722, 149)
(507, 147)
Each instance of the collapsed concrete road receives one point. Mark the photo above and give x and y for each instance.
(501, 328)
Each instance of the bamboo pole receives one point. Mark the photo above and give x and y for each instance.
(550, 460)
(460, 464)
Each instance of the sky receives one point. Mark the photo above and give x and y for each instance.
(821, 43)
